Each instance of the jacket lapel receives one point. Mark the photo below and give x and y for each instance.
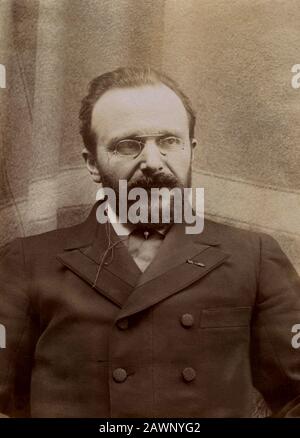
(181, 260)
(113, 273)
(176, 248)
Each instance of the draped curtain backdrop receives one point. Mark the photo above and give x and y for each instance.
(233, 58)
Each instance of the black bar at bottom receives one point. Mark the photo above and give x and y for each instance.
(133, 427)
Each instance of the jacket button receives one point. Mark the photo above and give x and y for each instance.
(123, 324)
(187, 320)
(119, 375)
(189, 374)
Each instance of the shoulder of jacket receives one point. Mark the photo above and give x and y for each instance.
(243, 239)
(47, 242)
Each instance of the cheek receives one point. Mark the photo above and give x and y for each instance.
(117, 168)
(181, 165)
(102, 158)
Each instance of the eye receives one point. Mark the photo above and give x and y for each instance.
(170, 140)
(170, 143)
(128, 147)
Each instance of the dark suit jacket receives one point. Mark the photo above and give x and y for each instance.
(179, 340)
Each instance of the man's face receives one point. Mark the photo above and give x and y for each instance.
(149, 113)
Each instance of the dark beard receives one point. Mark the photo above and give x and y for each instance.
(158, 180)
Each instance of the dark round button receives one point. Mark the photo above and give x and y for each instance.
(189, 374)
(187, 320)
(123, 324)
(119, 375)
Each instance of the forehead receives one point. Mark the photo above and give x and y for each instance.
(144, 109)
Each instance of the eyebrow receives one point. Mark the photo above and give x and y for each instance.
(141, 134)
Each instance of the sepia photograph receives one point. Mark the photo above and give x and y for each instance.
(149, 212)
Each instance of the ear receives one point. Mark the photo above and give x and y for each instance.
(91, 164)
(193, 145)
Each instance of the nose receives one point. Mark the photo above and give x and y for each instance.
(151, 157)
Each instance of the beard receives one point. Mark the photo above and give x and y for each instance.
(147, 182)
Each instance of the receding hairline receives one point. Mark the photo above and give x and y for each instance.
(157, 84)
(127, 78)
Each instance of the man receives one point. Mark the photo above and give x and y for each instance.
(142, 319)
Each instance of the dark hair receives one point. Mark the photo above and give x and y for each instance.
(125, 77)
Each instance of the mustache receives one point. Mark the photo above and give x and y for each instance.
(160, 180)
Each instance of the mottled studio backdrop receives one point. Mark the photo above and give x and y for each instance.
(234, 59)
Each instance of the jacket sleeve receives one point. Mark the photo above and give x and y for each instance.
(275, 361)
(18, 328)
